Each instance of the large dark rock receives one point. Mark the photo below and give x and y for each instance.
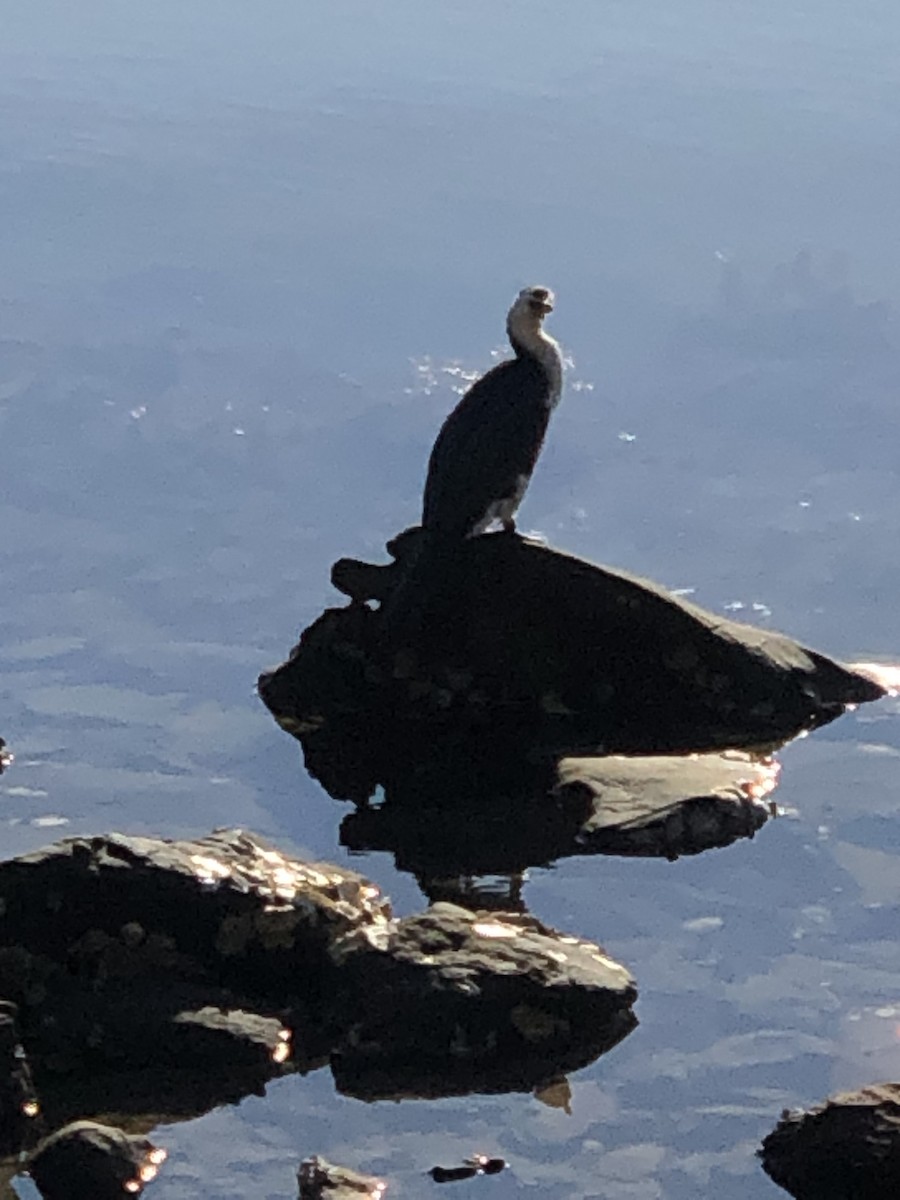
(87, 1161)
(169, 977)
(229, 903)
(161, 978)
(845, 1149)
(518, 644)
(451, 1001)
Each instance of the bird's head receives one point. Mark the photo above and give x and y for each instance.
(525, 321)
(538, 301)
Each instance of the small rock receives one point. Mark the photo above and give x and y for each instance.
(319, 1179)
(451, 1001)
(845, 1149)
(87, 1161)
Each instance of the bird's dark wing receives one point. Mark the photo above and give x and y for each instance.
(490, 440)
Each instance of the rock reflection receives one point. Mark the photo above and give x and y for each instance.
(654, 807)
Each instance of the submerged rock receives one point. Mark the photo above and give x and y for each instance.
(662, 806)
(521, 644)
(667, 806)
(319, 1179)
(450, 1001)
(845, 1149)
(87, 1161)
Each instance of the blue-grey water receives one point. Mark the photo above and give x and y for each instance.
(245, 252)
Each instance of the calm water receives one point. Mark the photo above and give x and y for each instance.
(244, 252)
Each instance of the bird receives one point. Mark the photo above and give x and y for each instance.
(487, 448)
(480, 465)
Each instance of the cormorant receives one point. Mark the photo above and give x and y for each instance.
(482, 460)
(487, 448)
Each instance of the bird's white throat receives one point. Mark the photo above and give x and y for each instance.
(551, 360)
(528, 332)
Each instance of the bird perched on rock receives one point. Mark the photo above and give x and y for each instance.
(481, 463)
(487, 448)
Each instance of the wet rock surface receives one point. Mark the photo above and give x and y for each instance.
(845, 1149)
(228, 903)
(521, 642)
(318, 1179)
(87, 1161)
(457, 1001)
(168, 977)
(669, 806)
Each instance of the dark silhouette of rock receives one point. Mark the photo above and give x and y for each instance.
(319, 1179)
(453, 1001)
(87, 1161)
(515, 644)
(478, 1164)
(229, 903)
(845, 1149)
(18, 1099)
(160, 978)
(168, 977)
